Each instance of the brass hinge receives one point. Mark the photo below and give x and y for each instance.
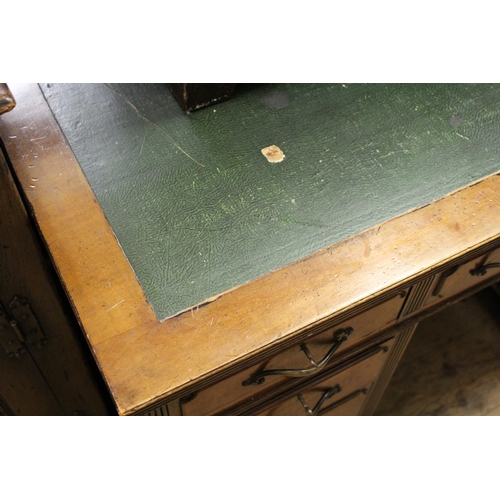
(20, 328)
(22, 313)
(10, 336)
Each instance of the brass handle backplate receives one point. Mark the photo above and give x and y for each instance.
(482, 270)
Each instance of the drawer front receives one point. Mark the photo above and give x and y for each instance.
(254, 381)
(458, 279)
(343, 394)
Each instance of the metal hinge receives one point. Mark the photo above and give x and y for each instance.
(20, 328)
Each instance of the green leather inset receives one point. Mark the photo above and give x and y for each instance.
(198, 209)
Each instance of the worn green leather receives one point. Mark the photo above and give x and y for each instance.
(198, 209)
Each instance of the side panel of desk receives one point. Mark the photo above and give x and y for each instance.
(55, 378)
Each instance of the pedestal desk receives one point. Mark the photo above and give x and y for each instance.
(208, 280)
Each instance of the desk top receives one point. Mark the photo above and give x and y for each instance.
(198, 209)
(145, 360)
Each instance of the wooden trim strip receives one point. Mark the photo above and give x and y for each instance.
(145, 361)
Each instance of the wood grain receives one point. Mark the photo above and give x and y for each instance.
(145, 361)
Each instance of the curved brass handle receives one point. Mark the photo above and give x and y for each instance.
(317, 409)
(338, 339)
(482, 270)
(319, 404)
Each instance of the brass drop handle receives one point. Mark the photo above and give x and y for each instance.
(338, 339)
(327, 394)
(482, 270)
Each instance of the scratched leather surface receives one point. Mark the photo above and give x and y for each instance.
(198, 209)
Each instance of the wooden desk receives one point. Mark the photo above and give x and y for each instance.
(353, 304)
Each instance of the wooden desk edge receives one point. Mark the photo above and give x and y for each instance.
(144, 360)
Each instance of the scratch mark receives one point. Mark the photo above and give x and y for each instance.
(112, 307)
(199, 306)
(134, 107)
(387, 155)
(462, 136)
(367, 249)
(143, 141)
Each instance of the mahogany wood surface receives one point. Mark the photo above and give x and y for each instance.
(145, 361)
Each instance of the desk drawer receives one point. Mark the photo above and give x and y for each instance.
(322, 347)
(458, 279)
(342, 394)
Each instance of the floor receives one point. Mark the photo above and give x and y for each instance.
(452, 364)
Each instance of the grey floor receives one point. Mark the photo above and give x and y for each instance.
(452, 364)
